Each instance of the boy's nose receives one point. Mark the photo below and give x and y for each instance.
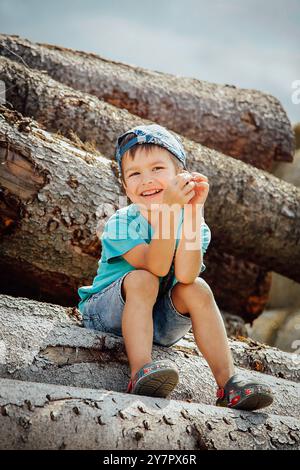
(147, 179)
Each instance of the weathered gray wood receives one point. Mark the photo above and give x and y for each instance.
(55, 201)
(47, 416)
(253, 355)
(246, 124)
(253, 215)
(247, 284)
(50, 184)
(41, 343)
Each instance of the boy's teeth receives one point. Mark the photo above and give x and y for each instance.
(149, 193)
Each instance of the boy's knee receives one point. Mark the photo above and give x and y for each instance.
(141, 281)
(202, 285)
(199, 284)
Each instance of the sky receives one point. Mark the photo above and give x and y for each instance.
(247, 43)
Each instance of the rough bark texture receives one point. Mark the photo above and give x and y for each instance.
(253, 355)
(240, 287)
(44, 343)
(253, 215)
(42, 416)
(47, 183)
(246, 124)
(54, 199)
(53, 205)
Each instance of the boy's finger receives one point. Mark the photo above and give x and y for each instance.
(184, 178)
(200, 178)
(185, 174)
(197, 175)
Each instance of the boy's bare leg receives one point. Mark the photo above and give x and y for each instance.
(137, 330)
(209, 331)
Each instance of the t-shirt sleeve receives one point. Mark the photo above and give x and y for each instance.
(206, 238)
(119, 236)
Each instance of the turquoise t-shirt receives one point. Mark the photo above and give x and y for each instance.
(123, 231)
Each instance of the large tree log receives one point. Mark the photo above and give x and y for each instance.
(55, 198)
(247, 284)
(246, 124)
(253, 215)
(47, 183)
(47, 416)
(253, 355)
(44, 343)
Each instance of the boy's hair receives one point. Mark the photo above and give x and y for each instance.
(148, 148)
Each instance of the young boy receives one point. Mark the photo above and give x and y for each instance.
(147, 288)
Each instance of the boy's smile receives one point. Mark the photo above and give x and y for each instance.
(151, 192)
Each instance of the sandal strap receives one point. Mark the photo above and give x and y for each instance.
(129, 388)
(151, 367)
(237, 387)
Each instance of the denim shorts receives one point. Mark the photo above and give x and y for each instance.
(103, 312)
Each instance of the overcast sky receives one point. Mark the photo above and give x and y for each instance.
(247, 43)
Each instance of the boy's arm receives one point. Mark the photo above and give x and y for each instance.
(188, 258)
(158, 255)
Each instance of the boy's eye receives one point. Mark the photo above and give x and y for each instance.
(156, 167)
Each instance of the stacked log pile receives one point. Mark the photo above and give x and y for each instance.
(59, 184)
(245, 124)
(237, 189)
(63, 386)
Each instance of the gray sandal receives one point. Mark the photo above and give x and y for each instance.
(155, 379)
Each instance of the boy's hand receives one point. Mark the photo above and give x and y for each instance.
(201, 189)
(180, 189)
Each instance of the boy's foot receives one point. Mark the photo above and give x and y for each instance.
(244, 394)
(155, 379)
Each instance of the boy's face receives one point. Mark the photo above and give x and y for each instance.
(148, 171)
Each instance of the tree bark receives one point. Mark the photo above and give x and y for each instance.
(47, 183)
(250, 354)
(54, 202)
(246, 124)
(44, 343)
(253, 215)
(47, 416)
(247, 284)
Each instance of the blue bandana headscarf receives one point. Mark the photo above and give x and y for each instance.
(151, 134)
